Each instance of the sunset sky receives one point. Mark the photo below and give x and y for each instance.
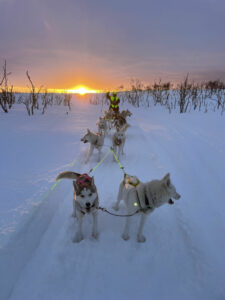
(102, 44)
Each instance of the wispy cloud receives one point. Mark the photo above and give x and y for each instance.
(105, 42)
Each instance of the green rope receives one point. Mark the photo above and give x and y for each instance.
(120, 165)
(93, 169)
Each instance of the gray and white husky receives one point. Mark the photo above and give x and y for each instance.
(118, 141)
(85, 201)
(102, 126)
(96, 140)
(126, 113)
(144, 197)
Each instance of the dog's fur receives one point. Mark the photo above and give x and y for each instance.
(157, 192)
(109, 118)
(96, 140)
(85, 202)
(119, 122)
(125, 113)
(102, 126)
(118, 141)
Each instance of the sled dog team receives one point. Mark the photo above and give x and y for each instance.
(141, 198)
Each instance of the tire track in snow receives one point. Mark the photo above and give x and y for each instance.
(196, 255)
(25, 241)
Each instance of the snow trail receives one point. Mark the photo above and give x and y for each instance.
(177, 261)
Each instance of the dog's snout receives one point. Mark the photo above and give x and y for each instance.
(88, 204)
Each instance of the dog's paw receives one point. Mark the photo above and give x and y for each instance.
(125, 236)
(78, 238)
(141, 239)
(95, 235)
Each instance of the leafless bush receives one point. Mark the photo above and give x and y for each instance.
(47, 100)
(7, 96)
(161, 92)
(136, 94)
(58, 99)
(67, 100)
(31, 100)
(184, 90)
(215, 85)
(99, 99)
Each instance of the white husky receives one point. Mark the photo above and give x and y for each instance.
(96, 140)
(144, 198)
(118, 141)
(85, 200)
(102, 126)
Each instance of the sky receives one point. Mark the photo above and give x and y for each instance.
(104, 44)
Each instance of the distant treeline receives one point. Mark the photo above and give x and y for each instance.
(36, 100)
(186, 96)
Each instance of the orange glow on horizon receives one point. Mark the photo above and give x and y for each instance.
(81, 90)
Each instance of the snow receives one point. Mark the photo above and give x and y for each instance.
(183, 256)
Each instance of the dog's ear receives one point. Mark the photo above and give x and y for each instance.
(166, 179)
(88, 130)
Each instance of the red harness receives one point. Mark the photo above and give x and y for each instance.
(84, 180)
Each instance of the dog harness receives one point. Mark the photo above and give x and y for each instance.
(148, 207)
(84, 180)
(130, 180)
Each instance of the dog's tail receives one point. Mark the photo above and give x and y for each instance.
(68, 175)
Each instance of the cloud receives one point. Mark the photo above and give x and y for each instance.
(110, 41)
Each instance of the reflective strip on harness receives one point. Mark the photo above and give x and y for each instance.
(114, 98)
(114, 106)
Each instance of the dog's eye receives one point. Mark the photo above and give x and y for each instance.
(90, 195)
(82, 196)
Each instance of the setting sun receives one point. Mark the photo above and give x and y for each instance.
(82, 90)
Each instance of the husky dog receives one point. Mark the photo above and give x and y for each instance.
(144, 198)
(85, 200)
(125, 113)
(120, 119)
(109, 118)
(96, 140)
(118, 141)
(102, 126)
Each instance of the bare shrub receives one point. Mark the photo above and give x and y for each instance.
(184, 90)
(161, 92)
(47, 100)
(67, 100)
(7, 96)
(31, 100)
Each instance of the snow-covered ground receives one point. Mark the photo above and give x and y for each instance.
(183, 257)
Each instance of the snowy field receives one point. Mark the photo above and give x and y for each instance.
(184, 255)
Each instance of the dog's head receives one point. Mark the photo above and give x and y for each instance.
(119, 135)
(101, 123)
(86, 137)
(85, 193)
(126, 113)
(170, 188)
